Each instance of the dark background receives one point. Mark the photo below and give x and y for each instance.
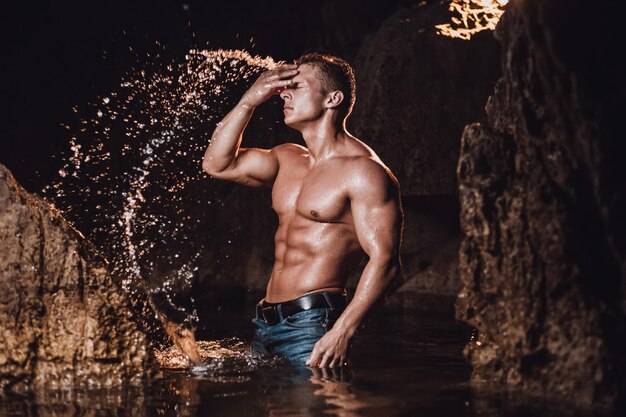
(59, 54)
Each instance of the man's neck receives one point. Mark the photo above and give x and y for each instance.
(323, 139)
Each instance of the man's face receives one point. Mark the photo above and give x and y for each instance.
(304, 101)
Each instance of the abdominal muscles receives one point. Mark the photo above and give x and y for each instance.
(312, 256)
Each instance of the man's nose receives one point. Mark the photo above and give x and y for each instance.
(285, 94)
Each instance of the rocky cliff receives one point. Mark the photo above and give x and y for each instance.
(62, 319)
(543, 197)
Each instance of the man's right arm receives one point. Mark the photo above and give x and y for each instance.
(224, 158)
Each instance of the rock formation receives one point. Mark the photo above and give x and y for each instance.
(543, 198)
(62, 319)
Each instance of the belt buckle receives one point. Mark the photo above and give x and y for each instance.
(269, 315)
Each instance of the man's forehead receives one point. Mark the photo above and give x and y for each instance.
(307, 72)
(306, 67)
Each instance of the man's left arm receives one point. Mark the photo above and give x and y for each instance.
(375, 204)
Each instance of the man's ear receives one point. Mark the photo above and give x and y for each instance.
(334, 99)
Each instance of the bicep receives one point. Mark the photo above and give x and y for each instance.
(378, 217)
(253, 167)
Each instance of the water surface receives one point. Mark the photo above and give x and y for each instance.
(404, 363)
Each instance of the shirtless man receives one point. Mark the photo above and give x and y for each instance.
(336, 202)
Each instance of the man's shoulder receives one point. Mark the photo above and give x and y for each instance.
(289, 151)
(368, 165)
(289, 148)
(368, 173)
(362, 159)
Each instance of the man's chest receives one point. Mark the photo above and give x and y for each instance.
(317, 194)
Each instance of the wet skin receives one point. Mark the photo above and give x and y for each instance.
(335, 200)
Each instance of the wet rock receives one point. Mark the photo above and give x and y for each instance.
(543, 196)
(63, 321)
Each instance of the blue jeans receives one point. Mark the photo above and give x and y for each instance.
(294, 337)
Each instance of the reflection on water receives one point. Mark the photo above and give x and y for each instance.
(404, 364)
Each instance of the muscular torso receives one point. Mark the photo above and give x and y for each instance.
(316, 245)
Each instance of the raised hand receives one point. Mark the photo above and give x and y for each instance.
(270, 83)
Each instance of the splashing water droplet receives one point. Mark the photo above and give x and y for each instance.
(142, 162)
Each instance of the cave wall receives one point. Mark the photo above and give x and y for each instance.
(63, 321)
(543, 193)
(416, 90)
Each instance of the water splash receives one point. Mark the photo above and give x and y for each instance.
(132, 181)
(471, 17)
(230, 355)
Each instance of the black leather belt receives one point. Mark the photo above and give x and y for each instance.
(274, 313)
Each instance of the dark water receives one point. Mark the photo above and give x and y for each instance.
(404, 364)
